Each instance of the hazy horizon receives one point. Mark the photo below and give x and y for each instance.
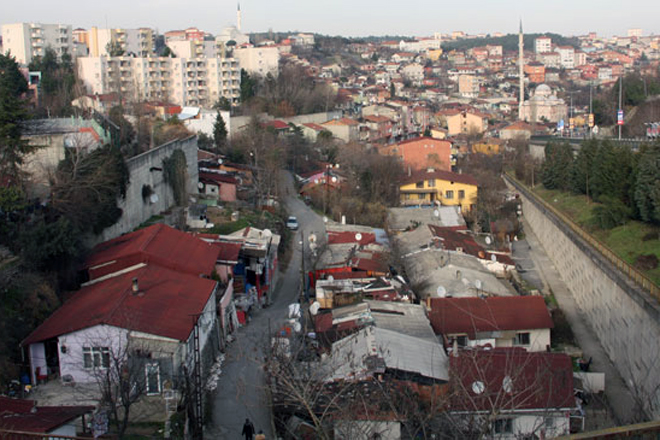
(349, 19)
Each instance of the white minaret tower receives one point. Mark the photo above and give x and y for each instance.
(521, 75)
(238, 18)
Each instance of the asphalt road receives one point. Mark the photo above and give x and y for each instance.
(241, 391)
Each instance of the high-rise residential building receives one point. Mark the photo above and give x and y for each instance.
(566, 56)
(260, 60)
(138, 42)
(543, 45)
(183, 81)
(28, 40)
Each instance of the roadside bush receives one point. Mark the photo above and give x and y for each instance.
(611, 213)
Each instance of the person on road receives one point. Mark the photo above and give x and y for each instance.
(248, 429)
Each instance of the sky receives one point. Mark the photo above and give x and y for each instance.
(348, 17)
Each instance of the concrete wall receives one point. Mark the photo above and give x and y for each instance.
(625, 318)
(147, 169)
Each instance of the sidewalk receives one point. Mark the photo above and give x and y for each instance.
(618, 395)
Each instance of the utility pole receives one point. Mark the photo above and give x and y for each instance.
(302, 267)
(620, 123)
(521, 75)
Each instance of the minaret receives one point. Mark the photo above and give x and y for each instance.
(521, 75)
(238, 18)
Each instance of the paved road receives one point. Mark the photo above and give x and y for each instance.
(241, 391)
(541, 272)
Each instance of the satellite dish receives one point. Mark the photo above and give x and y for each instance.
(441, 291)
(200, 185)
(488, 239)
(478, 387)
(325, 219)
(477, 284)
(268, 233)
(358, 236)
(220, 161)
(436, 213)
(493, 257)
(334, 179)
(507, 384)
(297, 327)
(330, 278)
(312, 238)
(153, 198)
(314, 308)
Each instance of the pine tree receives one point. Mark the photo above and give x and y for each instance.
(219, 132)
(556, 173)
(647, 185)
(13, 114)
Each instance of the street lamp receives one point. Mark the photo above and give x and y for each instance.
(326, 183)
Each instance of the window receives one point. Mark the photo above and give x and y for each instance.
(462, 341)
(431, 183)
(152, 373)
(419, 184)
(461, 194)
(522, 339)
(96, 357)
(449, 195)
(549, 423)
(503, 426)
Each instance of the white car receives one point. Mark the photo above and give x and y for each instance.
(292, 223)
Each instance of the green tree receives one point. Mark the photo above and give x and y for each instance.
(114, 49)
(248, 86)
(647, 184)
(556, 169)
(223, 104)
(613, 173)
(13, 114)
(219, 132)
(51, 245)
(126, 130)
(582, 173)
(57, 83)
(392, 90)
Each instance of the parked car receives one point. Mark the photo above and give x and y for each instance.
(292, 223)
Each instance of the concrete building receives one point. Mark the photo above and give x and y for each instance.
(430, 186)
(258, 60)
(414, 73)
(28, 40)
(566, 56)
(544, 106)
(135, 42)
(183, 81)
(468, 86)
(543, 45)
(636, 32)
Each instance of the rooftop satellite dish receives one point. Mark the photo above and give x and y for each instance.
(488, 239)
(297, 327)
(441, 291)
(477, 284)
(478, 387)
(507, 384)
(200, 185)
(325, 219)
(493, 257)
(314, 308)
(268, 233)
(436, 213)
(334, 179)
(153, 198)
(330, 278)
(358, 236)
(220, 161)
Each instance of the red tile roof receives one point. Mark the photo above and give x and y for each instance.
(314, 126)
(449, 176)
(164, 307)
(276, 124)
(453, 239)
(510, 379)
(450, 316)
(24, 415)
(159, 244)
(339, 237)
(341, 121)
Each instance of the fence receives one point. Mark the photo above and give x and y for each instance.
(624, 267)
(10, 434)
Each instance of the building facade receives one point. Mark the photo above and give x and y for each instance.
(258, 60)
(28, 40)
(136, 42)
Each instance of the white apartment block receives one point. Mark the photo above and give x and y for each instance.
(543, 45)
(197, 82)
(421, 44)
(138, 42)
(566, 56)
(636, 32)
(197, 48)
(258, 60)
(28, 40)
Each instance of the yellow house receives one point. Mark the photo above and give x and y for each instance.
(488, 146)
(464, 121)
(440, 187)
(434, 54)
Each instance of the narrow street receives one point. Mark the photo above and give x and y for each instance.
(241, 391)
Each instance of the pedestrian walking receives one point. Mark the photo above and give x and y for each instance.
(260, 436)
(248, 429)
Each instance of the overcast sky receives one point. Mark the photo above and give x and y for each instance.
(348, 17)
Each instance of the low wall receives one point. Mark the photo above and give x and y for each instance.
(623, 315)
(147, 169)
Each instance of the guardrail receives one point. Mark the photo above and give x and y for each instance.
(635, 275)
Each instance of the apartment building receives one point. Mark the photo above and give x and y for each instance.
(139, 42)
(543, 45)
(259, 60)
(28, 40)
(183, 81)
(566, 56)
(468, 86)
(196, 48)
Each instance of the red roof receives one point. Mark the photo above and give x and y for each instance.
(510, 379)
(453, 240)
(159, 244)
(340, 237)
(228, 251)
(448, 176)
(276, 124)
(164, 307)
(24, 415)
(376, 118)
(450, 316)
(314, 126)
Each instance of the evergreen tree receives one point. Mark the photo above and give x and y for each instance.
(582, 173)
(219, 132)
(647, 185)
(13, 114)
(556, 172)
(613, 173)
(248, 86)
